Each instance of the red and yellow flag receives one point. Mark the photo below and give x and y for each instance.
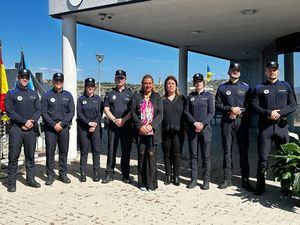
(3, 82)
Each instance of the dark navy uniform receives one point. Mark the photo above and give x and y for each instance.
(89, 109)
(57, 107)
(267, 97)
(200, 108)
(22, 105)
(229, 95)
(119, 104)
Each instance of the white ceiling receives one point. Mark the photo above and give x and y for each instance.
(226, 32)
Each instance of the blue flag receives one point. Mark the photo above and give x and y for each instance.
(22, 65)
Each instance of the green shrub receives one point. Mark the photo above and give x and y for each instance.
(287, 167)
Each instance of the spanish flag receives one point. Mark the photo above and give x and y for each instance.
(3, 82)
(208, 73)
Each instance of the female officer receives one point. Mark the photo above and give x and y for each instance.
(89, 113)
(200, 110)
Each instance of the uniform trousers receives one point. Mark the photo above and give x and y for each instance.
(17, 138)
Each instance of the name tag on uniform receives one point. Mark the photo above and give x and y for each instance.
(32, 97)
(66, 99)
(241, 92)
(204, 98)
(282, 90)
(95, 101)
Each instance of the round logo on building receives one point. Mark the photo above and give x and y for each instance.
(75, 2)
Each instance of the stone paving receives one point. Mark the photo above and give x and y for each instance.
(119, 203)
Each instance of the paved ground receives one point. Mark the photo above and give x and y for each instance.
(118, 203)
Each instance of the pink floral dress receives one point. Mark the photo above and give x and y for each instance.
(147, 113)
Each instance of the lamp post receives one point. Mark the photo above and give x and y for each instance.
(99, 58)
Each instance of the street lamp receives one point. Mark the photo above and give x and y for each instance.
(99, 58)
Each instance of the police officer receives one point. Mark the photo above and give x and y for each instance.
(117, 108)
(232, 100)
(57, 111)
(24, 109)
(89, 112)
(272, 100)
(200, 110)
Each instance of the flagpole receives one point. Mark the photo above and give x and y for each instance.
(2, 174)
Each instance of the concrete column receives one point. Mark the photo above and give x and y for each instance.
(70, 73)
(289, 77)
(182, 75)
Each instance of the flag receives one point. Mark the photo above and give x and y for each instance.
(3, 82)
(22, 65)
(208, 73)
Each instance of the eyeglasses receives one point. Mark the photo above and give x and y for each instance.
(58, 80)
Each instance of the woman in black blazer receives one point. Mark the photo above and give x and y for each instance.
(147, 113)
(172, 130)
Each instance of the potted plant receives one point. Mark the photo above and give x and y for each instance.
(286, 170)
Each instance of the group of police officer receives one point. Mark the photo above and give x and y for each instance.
(272, 100)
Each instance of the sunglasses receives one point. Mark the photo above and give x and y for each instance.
(24, 77)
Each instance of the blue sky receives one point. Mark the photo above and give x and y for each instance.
(27, 24)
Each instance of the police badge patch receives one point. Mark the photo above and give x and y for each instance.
(266, 91)
(52, 99)
(84, 102)
(228, 92)
(19, 98)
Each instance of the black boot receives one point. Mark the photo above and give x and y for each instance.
(176, 181)
(33, 183)
(11, 188)
(167, 180)
(261, 182)
(64, 178)
(260, 187)
(96, 177)
(82, 177)
(193, 183)
(225, 184)
(246, 185)
(205, 185)
(108, 178)
(50, 179)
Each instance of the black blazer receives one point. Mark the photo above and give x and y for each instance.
(157, 103)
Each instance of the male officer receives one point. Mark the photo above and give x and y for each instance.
(272, 100)
(57, 111)
(233, 99)
(24, 109)
(200, 110)
(117, 108)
